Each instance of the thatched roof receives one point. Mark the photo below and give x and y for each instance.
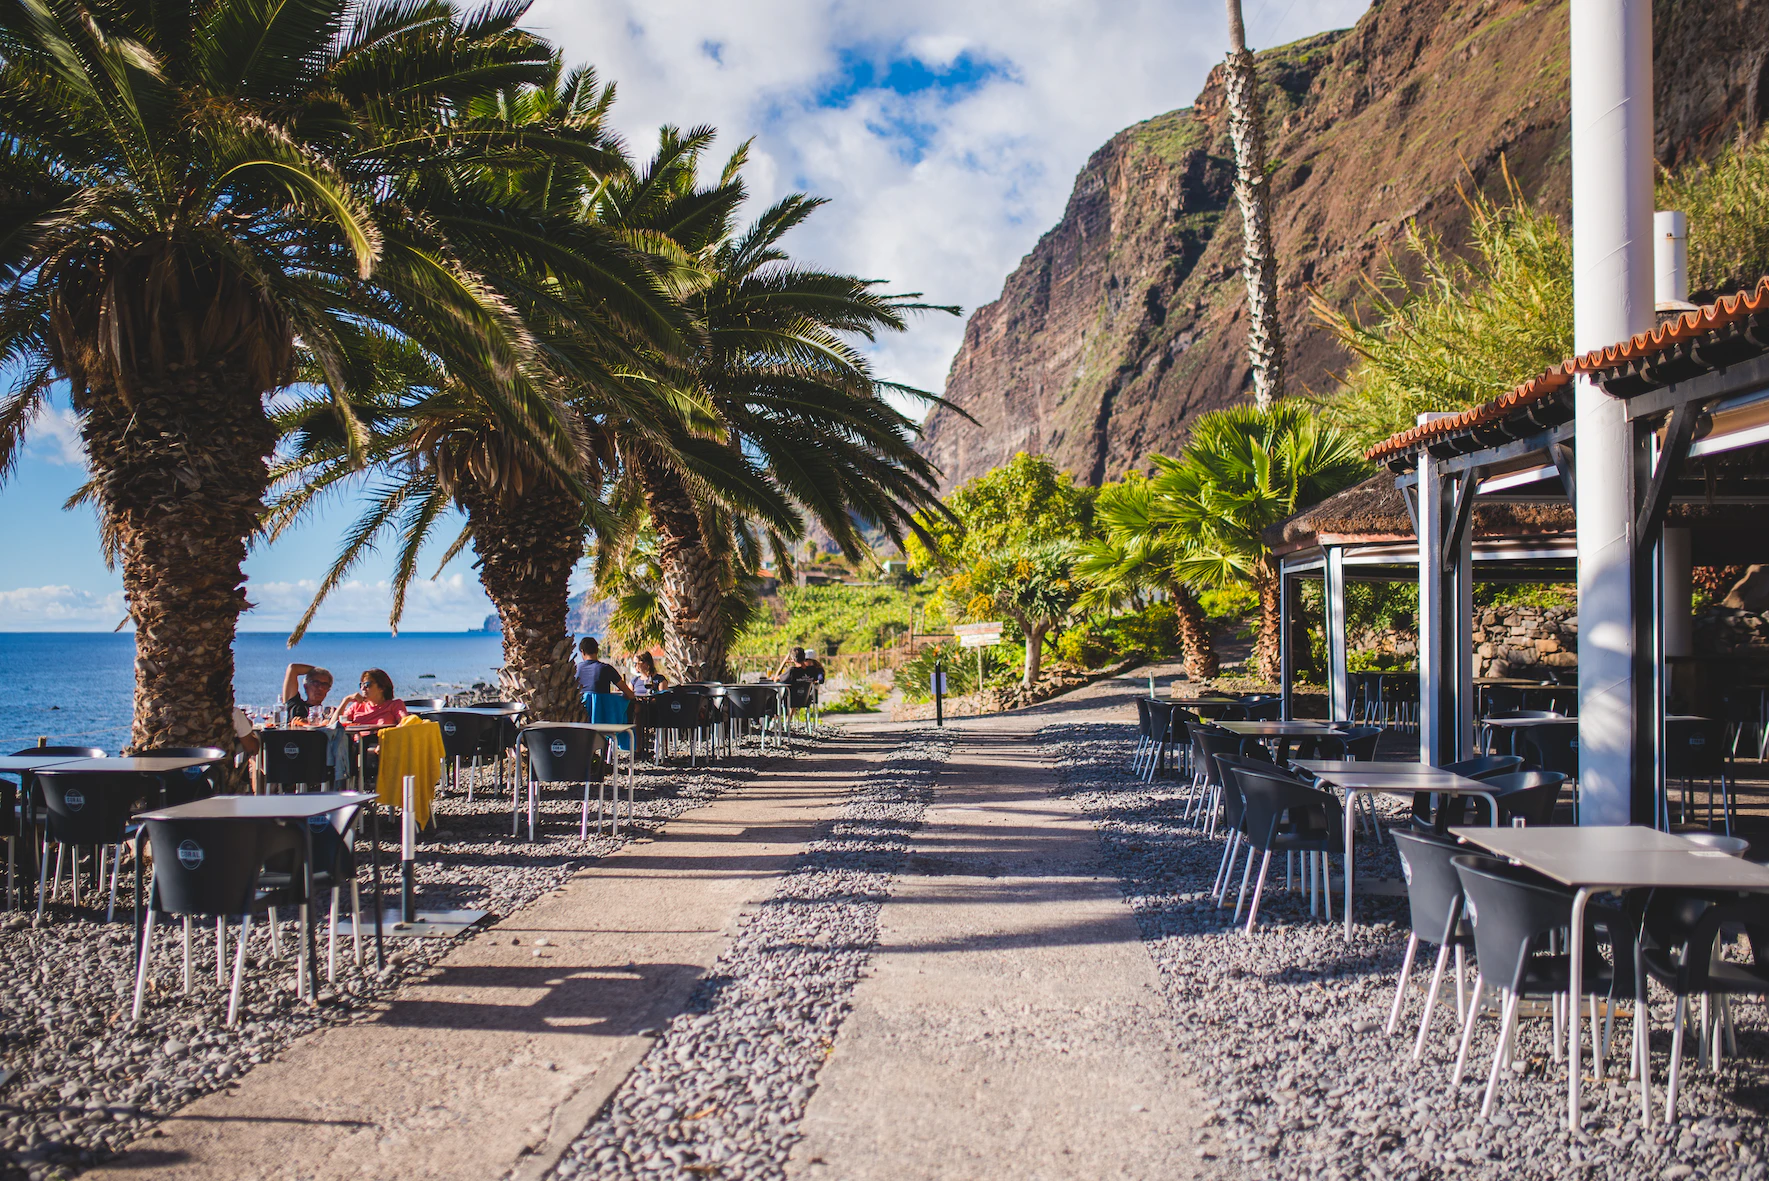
(1374, 512)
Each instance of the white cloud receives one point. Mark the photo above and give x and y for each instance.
(60, 608)
(454, 602)
(54, 435)
(941, 189)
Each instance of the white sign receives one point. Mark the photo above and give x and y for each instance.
(937, 682)
(985, 640)
(979, 629)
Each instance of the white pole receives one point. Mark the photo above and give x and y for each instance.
(408, 849)
(1670, 258)
(1612, 168)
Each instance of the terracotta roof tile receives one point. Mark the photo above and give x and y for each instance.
(1689, 325)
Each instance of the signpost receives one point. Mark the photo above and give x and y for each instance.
(978, 636)
(938, 685)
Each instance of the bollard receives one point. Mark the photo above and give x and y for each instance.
(940, 692)
(408, 854)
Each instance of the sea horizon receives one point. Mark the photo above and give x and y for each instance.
(78, 686)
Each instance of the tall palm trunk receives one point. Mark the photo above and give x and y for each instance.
(695, 578)
(180, 469)
(1194, 635)
(528, 545)
(1259, 260)
(1268, 649)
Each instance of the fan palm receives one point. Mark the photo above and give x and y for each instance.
(442, 438)
(776, 417)
(189, 187)
(1242, 470)
(1132, 556)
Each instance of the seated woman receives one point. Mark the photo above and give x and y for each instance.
(374, 705)
(647, 679)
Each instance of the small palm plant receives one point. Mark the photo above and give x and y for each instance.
(1243, 470)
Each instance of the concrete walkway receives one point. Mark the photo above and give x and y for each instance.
(1013, 1026)
(496, 1062)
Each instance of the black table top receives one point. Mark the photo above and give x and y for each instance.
(298, 806)
(1619, 857)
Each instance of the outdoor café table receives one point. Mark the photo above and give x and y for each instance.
(1491, 724)
(1597, 859)
(1387, 778)
(1295, 728)
(271, 809)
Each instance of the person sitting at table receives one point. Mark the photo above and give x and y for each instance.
(374, 704)
(647, 679)
(595, 675)
(304, 701)
(800, 666)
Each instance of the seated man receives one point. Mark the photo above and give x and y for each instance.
(800, 666)
(305, 701)
(595, 675)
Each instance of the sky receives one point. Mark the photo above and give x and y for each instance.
(946, 134)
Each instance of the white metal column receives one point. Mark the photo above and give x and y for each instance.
(1612, 166)
(1333, 619)
(1446, 607)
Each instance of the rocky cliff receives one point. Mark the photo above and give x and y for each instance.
(1127, 319)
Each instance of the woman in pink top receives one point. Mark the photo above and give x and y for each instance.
(375, 705)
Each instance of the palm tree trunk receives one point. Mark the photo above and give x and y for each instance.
(695, 578)
(180, 469)
(1259, 260)
(528, 545)
(1034, 653)
(1268, 648)
(1194, 635)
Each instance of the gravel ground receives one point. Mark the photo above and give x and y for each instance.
(724, 1088)
(89, 1081)
(1285, 1027)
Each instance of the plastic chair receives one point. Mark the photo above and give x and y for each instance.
(1434, 900)
(1264, 709)
(213, 867)
(192, 783)
(1529, 795)
(798, 697)
(1144, 735)
(558, 752)
(333, 841)
(297, 757)
(1284, 814)
(681, 711)
(610, 709)
(757, 704)
(1695, 749)
(466, 736)
(87, 808)
(1514, 913)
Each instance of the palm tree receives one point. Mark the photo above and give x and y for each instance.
(443, 437)
(1132, 556)
(776, 417)
(189, 187)
(1244, 469)
(1259, 259)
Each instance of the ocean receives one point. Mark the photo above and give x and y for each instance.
(77, 686)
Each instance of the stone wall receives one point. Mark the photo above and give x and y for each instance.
(1729, 631)
(1525, 641)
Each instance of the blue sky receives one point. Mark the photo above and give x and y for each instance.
(946, 132)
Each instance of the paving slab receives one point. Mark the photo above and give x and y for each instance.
(1013, 1025)
(494, 1062)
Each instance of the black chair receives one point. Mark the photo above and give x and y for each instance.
(467, 736)
(1266, 708)
(682, 711)
(1453, 809)
(1682, 932)
(558, 752)
(213, 866)
(1434, 901)
(193, 783)
(1517, 916)
(88, 808)
(1530, 796)
(1695, 750)
(424, 704)
(297, 758)
(1500, 699)
(757, 705)
(1144, 735)
(1554, 748)
(1511, 732)
(1283, 814)
(21, 806)
(1161, 735)
(333, 843)
(799, 695)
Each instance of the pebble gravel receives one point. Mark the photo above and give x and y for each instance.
(1285, 1027)
(88, 1080)
(722, 1091)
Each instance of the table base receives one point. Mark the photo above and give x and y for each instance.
(430, 924)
